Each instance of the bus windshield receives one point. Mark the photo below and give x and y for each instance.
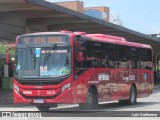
(43, 62)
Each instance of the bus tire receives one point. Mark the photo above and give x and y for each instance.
(43, 107)
(132, 96)
(92, 100)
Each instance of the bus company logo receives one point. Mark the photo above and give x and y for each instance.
(130, 77)
(27, 92)
(103, 76)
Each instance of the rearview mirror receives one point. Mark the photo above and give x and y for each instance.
(80, 57)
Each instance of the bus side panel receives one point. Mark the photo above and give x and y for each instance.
(81, 85)
(102, 79)
(145, 83)
(106, 80)
(113, 84)
(121, 90)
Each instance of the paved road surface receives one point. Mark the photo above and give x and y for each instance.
(151, 103)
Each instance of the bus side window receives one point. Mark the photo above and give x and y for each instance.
(97, 56)
(134, 58)
(145, 58)
(93, 56)
(113, 56)
(89, 54)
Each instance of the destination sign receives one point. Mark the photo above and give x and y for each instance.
(25, 40)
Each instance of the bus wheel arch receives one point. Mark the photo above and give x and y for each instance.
(132, 99)
(91, 99)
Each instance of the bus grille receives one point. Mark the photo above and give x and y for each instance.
(39, 83)
(40, 97)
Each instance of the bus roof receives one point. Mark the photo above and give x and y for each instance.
(115, 40)
(97, 37)
(43, 33)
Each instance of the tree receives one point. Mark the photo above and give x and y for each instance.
(3, 50)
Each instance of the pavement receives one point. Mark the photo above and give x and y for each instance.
(6, 96)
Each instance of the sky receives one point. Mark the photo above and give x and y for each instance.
(139, 15)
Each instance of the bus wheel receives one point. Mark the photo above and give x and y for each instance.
(132, 96)
(92, 101)
(43, 107)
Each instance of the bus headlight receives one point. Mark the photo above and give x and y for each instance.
(66, 86)
(16, 87)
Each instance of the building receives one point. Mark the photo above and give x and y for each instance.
(73, 5)
(101, 12)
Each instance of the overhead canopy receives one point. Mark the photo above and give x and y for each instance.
(23, 16)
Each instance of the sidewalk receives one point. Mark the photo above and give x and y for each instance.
(6, 96)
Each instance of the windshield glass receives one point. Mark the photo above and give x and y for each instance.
(43, 62)
(58, 62)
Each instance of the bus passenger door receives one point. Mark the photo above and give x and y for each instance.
(80, 77)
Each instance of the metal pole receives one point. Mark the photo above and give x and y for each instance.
(158, 70)
(155, 68)
(27, 29)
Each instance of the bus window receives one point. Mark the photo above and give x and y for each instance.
(134, 58)
(89, 54)
(113, 56)
(93, 56)
(124, 56)
(97, 55)
(145, 58)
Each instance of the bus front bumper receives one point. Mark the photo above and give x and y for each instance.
(64, 97)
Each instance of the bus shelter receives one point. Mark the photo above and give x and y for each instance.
(27, 16)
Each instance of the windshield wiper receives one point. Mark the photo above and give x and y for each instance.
(33, 55)
(48, 54)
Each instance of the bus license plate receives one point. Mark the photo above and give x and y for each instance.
(38, 101)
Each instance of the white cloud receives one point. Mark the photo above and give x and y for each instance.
(156, 29)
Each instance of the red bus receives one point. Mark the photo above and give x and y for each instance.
(74, 67)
